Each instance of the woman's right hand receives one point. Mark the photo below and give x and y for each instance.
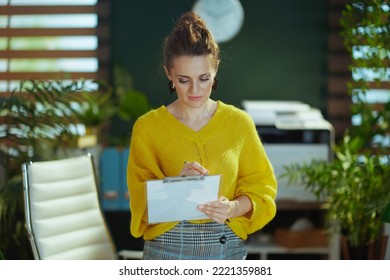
(193, 168)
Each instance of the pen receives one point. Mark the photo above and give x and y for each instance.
(203, 174)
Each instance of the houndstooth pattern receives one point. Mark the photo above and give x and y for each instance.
(189, 241)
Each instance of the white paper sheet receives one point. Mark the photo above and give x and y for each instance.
(177, 198)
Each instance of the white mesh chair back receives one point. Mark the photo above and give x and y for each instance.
(63, 215)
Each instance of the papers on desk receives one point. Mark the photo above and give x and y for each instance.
(177, 198)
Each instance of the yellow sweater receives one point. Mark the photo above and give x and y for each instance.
(228, 145)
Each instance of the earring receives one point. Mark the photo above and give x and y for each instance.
(215, 84)
(171, 87)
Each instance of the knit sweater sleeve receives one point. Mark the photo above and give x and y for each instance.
(142, 166)
(256, 180)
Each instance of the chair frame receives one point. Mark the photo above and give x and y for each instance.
(123, 254)
(26, 196)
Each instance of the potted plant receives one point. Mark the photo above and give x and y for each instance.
(130, 103)
(355, 186)
(35, 121)
(93, 109)
(38, 122)
(354, 189)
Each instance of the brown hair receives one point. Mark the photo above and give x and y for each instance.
(190, 36)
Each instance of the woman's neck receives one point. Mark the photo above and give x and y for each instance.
(194, 118)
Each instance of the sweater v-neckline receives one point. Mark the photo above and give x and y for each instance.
(183, 129)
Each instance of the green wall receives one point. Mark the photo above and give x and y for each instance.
(280, 53)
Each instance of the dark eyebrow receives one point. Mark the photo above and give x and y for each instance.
(183, 76)
(187, 77)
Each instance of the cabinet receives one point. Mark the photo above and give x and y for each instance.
(293, 202)
(114, 196)
(292, 133)
(262, 245)
(112, 177)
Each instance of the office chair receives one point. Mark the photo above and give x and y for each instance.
(64, 218)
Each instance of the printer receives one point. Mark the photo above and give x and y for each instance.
(291, 132)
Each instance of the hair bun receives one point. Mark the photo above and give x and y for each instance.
(190, 37)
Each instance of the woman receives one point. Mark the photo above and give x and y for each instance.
(196, 135)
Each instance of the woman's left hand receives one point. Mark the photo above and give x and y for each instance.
(218, 211)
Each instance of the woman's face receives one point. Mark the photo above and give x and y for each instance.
(193, 77)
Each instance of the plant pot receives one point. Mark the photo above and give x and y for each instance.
(373, 250)
(90, 139)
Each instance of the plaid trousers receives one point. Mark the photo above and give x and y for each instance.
(187, 241)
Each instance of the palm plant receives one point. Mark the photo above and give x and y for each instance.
(355, 186)
(354, 189)
(95, 107)
(35, 120)
(130, 103)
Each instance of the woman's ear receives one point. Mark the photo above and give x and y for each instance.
(167, 72)
(216, 68)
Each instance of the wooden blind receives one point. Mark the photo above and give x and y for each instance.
(339, 101)
(22, 57)
(339, 74)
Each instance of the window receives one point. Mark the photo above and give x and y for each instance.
(363, 53)
(44, 39)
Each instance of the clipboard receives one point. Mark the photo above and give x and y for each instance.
(177, 198)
